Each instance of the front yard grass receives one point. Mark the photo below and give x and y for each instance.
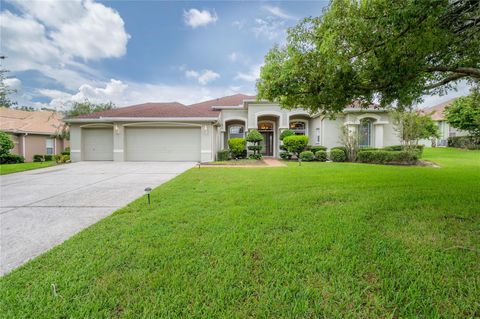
(320, 240)
(20, 167)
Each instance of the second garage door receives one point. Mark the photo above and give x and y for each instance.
(162, 144)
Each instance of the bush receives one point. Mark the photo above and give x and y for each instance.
(418, 149)
(285, 155)
(237, 147)
(468, 142)
(321, 156)
(286, 133)
(338, 155)
(393, 148)
(64, 158)
(386, 157)
(6, 143)
(11, 159)
(255, 148)
(38, 158)
(317, 148)
(307, 156)
(255, 156)
(222, 155)
(368, 149)
(66, 151)
(295, 143)
(48, 157)
(255, 137)
(57, 158)
(342, 148)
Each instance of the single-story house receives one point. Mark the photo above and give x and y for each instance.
(177, 132)
(437, 114)
(33, 132)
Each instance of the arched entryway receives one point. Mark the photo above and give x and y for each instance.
(267, 125)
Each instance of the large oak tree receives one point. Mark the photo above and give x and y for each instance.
(389, 51)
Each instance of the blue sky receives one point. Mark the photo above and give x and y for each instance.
(138, 51)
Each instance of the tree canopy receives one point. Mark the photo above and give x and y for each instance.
(464, 113)
(388, 51)
(87, 107)
(5, 91)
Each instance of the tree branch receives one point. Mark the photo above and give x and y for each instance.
(467, 71)
(446, 80)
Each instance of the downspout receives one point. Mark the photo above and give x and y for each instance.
(24, 144)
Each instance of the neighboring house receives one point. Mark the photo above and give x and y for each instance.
(444, 128)
(33, 132)
(176, 132)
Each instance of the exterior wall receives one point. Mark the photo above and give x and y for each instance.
(331, 132)
(35, 144)
(16, 139)
(75, 143)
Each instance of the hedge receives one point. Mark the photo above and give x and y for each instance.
(11, 159)
(468, 142)
(387, 157)
(38, 158)
(317, 148)
(222, 155)
(237, 147)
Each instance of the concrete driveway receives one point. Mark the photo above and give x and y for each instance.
(41, 208)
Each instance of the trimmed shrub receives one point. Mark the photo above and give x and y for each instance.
(468, 142)
(255, 148)
(295, 143)
(368, 149)
(286, 133)
(11, 159)
(255, 137)
(222, 155)
(338, 155)
(342, 148)
(66, 151)
(38, 158)
(237, 147)
(307, 156)
(321, 156)
(255, 156)
(285, 155)
(317, 148)
(393, 148)
(386, 157)
(48, 157)
(57, 158)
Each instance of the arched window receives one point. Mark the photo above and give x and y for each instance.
(365, 133)
(298, 127)
(236, 131)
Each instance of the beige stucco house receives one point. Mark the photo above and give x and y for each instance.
(436, 112)
(177, 132)
(33, 132)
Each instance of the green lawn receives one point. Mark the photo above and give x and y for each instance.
(15, 168)
(320, 240)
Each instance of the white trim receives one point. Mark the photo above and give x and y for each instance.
(205, 151)
(24, 142)
(143, 119)
(364, 116)
(234, 118)
(162, 124)
(300, 120)
(266, 113)
(75, 151)
(97, 125)
(298, 112)
(118, 151)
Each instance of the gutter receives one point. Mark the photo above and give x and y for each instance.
(141, 119)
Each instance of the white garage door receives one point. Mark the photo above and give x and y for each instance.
(162, 144)
(97, 144)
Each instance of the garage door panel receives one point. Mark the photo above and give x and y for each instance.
(162, 144)
(97, 144)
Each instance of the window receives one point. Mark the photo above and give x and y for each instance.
(317, 132)
(49, 144)
(365, 133)
(235, 131)
(298, 127)
(265, 126)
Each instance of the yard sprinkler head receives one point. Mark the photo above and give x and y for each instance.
(148, 190)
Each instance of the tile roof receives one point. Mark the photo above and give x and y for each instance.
(232, 100)
(42, 122)
(172, 109)
(436, 111)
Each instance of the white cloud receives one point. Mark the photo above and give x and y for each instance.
(123, 94)
(233, 56)
(13, 83)
(278, 12)
(196, 18)
(49, 37)
(251, 76)
(203, 77)
(239, 24)
(269, 28)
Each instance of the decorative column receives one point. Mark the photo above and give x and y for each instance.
(378, 135)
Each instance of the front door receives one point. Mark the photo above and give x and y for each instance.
(267, 144)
